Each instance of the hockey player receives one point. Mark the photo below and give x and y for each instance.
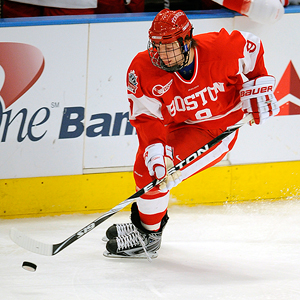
(184, 91)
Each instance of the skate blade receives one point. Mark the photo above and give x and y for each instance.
(136, 256)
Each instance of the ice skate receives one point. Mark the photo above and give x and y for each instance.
(117, 230)
(134, 245)
(138, 242)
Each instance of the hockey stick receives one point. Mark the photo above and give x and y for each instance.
(32, 245)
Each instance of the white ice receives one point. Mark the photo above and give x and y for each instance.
(235, 251)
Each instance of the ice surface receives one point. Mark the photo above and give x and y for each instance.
(235, 251)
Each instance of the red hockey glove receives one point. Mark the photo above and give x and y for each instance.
(158, 160)
(258, 98)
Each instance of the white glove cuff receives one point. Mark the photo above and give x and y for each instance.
(169, 152)
(153, 150)
(258, 87)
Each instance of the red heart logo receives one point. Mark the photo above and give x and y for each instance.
(23, 64)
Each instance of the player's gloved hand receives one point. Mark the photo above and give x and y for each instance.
(158, 160)
(258, 98)
(171, 180)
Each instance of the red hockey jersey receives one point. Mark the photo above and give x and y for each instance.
(160, 100)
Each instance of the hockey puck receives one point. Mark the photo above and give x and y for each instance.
(28, 266)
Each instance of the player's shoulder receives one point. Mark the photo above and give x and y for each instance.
(211, 39)
(142, 61)
(143, 66)
(221, 44)
(141, 57)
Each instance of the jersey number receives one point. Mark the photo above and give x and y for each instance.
(203, 114)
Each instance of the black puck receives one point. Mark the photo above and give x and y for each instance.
(28, 266)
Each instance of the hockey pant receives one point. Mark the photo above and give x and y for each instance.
(184, 140)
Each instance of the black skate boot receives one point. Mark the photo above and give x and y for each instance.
(140, 243)
(117, 230)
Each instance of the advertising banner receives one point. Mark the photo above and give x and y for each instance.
(63, 102)
(277, 139)
(43, 80)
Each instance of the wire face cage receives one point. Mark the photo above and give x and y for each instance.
(170, 57)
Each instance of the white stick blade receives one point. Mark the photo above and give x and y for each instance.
(30, 244)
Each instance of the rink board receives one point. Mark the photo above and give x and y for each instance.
(59, 139)
(74, 118)
(90, 193)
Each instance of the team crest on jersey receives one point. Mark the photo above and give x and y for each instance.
(251, 47)
(132, 82)
(158, 90)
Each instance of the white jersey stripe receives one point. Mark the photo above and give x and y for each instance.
(145, 105)
(236, 108)
(251, 51)
(210, 157)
